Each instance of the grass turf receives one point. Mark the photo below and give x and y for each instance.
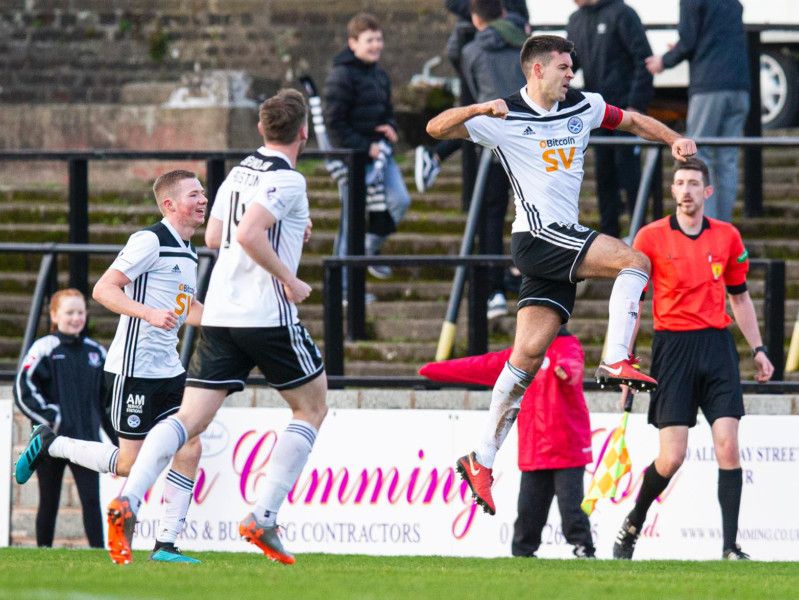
(41, 574)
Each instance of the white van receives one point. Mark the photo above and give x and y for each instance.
(779, 74)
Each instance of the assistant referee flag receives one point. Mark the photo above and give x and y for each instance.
(613, 464)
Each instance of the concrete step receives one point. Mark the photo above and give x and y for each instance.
(69, 531)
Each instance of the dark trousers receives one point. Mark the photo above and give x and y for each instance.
(447, 148)
(618, 169)
(535, 497)
(491, 229)
(50, 474)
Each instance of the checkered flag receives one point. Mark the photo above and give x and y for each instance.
(614, 463)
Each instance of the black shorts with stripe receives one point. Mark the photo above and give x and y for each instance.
(694, 369)
(286, 356)
(136, 404)
(548, 260)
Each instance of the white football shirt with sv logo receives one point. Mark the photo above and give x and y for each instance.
(162, 269)
(542, 151)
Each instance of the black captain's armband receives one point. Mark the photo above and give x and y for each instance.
(734, 290)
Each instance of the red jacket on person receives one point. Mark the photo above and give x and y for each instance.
(554, 427)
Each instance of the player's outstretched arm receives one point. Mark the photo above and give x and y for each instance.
(110, 292)
(651, 129)
(251, 235)
(449, 125)
(743, 309)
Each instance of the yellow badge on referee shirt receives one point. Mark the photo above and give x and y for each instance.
(717, 268)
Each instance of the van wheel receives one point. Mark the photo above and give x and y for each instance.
(779, 84)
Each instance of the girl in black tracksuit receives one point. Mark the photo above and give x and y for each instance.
(61, 384)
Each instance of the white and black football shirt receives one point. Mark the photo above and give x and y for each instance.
(162, 269)
(241, 293)
(543, 151)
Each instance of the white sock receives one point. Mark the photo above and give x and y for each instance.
(623, 312)
(288, 458)
(96, 456)
(177, 497)
(160, 445)
(506, 398)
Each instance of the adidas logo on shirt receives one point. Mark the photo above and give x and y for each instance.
(528, 131)
(176, 269)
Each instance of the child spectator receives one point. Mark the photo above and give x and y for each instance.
(359, 115)
(61, 385)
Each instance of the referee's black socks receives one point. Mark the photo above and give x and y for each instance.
(730, 485)
(654, 483)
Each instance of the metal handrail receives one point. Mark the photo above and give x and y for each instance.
(78, 169)
(46, 281)
(773, 309)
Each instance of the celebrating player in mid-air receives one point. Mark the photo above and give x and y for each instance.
(260, 221)
(540, 134)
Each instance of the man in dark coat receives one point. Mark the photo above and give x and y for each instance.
(611, 46)
(490, 67)
(359, 115)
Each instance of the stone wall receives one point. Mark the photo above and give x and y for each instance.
(64, 51)
(145, 127)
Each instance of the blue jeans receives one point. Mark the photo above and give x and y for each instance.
(719, 114)
(397, 201)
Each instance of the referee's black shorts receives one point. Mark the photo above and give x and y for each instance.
(548, 260)
(694, 369)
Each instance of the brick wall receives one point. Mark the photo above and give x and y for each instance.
(56, 51)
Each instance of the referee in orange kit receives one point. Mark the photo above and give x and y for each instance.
(694, 359)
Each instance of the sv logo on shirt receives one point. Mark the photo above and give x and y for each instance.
(557, 157)
(183, 304)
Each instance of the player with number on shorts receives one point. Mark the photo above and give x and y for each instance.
(259, 221)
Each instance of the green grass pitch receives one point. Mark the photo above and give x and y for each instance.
(42, 574)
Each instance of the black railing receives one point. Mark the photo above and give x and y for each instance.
(78, 195)
(46, 284)
(477, 324)
(355, 308)
(753, 163)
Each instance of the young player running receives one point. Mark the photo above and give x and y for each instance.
(260, 221)
(151, 285)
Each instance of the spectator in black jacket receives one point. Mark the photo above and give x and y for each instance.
(713, 40)
(61, 385)
(429, 159)
(491, 68)
(359, 115)
(611, 48)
